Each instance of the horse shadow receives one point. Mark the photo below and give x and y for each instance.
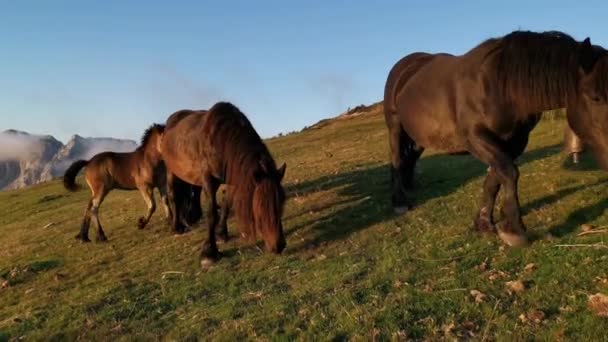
(367, 190)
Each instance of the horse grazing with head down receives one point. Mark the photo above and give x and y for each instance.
(208, 148)
(486, 102)
(141, 169)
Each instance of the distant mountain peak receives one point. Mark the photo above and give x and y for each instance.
(27, 159)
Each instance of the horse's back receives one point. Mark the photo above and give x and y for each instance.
(400, 73)
(425, 101)
(181, 145)
(178, 116)
(113, 168)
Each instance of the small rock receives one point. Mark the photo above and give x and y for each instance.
(586, 227)
(4, 284)
(530, 267)
(515, 286)
(536, 316)
(28, 291)
(59, 276)
(550, 237)
(479, 297)
(598, 304)
(483, 266)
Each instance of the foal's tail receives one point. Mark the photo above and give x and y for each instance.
(69, 178)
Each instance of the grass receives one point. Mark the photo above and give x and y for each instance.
(352, 270)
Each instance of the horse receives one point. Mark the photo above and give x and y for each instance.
(208, 148)
(486, 102)
(142, 169)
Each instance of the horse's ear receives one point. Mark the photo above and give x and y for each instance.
(281, 171)
(587, 57)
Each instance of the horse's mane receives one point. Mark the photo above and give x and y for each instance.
(536, 69)
(145, 138)
(244, 156)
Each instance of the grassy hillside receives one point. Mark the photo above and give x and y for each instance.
(351, 270)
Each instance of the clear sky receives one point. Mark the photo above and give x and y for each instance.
(111, 68)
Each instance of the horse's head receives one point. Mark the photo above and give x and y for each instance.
(152, 138)
(268, 202)
(588, 111)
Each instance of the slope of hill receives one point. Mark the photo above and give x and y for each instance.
(27, 159)
(351, 270)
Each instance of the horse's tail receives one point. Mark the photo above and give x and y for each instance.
(69, 177)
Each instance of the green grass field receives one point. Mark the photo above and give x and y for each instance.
(351, 270)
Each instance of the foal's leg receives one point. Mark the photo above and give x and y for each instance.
(164, 200)
(503, 171)
(404, 154)
(209, 253)
(147, 192)
(223, 223)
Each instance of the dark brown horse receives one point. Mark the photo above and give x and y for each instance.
(208, 148)
(141, 169)
(486, 102)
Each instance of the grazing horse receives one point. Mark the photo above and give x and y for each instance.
(486, 102)
(208, 148)
(142, 169)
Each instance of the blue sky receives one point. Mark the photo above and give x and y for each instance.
(111, 68)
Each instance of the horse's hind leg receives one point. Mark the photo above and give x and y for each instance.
(98, 198)
(175, 197)
(404, 155)
(83, 235)
(148, 194)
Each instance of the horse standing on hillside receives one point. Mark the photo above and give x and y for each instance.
(486, 102)
(208, 148)
(142, 169)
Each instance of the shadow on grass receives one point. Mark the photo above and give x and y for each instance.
(368, 191)
(579, 216)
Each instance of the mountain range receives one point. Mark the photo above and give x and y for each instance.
(27, 159)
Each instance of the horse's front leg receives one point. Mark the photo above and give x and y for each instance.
(489, 149)
(147, 192)
(484, 221)
(210, 253)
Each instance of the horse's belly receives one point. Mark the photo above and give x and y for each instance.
(434, 133)
(187, 173)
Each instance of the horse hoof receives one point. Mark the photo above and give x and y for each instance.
(102, 239)
(82, 238)
(484, 226)
(513, 239)
(221, 239)
(207, 262)
(141, 224)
